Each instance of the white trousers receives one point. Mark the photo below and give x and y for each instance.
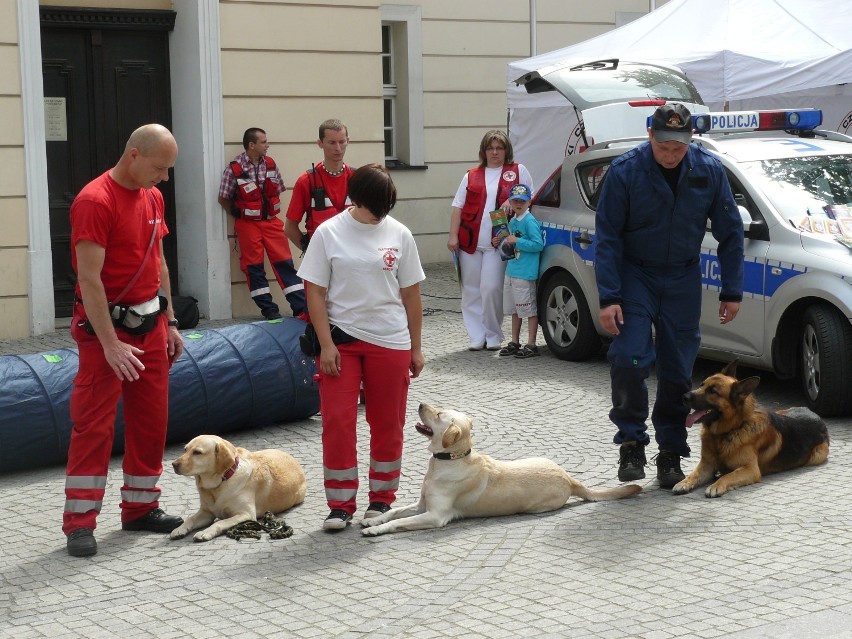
(482, 275)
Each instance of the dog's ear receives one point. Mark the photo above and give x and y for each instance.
(743, 388)
(451, 435)
(224, 454)
(731, 369)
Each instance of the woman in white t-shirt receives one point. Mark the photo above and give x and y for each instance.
(483, 189)
(365, 276)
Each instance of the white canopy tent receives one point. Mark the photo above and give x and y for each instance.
(743, 54)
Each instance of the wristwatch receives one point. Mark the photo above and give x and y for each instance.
(173, 322)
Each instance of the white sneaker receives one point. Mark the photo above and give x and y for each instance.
(337, 520)
(375, 509)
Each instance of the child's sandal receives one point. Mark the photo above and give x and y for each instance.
(527, 351)
(511, 348)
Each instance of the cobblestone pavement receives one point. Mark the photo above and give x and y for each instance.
(770, 560)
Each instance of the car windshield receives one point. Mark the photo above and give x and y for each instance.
(808, 191)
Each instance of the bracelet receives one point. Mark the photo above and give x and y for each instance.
(173, 322)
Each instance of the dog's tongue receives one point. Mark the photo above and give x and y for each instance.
(694, 416)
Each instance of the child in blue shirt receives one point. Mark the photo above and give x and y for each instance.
(521, 272)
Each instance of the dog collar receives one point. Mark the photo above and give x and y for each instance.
(451, 455)
(230, 472)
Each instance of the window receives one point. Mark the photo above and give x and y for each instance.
(591, 177)
(402, 84)
(389, 93)
(548, 195)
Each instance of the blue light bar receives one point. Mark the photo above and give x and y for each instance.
(732, 121)
(785, 120)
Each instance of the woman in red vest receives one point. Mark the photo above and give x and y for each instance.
(482, 190)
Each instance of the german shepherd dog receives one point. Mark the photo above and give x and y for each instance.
(741, 442)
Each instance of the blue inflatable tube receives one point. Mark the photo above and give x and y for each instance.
(235, 378)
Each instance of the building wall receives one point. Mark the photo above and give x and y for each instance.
(14, 239)
(285, 66)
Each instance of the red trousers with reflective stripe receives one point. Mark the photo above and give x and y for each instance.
(255, 237)
(385, 374)
(94, 401)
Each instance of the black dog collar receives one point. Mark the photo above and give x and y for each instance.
(451, 455)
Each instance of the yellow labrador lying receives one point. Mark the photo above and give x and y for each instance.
(462, 483)
(234, 485)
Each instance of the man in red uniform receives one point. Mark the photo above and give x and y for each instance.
(321, 192)
(127, 337)
(251, 190)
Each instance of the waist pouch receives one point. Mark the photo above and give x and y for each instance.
(310, 344)
(140, 318)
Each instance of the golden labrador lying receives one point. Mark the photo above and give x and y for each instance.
(234, 485)
(462, 483)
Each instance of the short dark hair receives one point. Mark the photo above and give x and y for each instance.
(334, 125)
(372, 188)
(498, 136)
(251, 136)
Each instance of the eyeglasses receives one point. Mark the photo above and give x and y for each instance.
(496, 148)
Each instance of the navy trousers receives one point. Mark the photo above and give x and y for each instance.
(667, 299)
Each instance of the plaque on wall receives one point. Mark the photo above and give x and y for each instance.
(55, 120)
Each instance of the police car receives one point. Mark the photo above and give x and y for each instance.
(793, 185)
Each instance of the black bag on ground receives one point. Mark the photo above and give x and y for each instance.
(186, 311)
(310, 344)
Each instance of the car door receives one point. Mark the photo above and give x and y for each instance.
(746, 334)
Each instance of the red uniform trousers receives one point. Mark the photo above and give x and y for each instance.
(386, 378)
(255, 237)
(94, 401)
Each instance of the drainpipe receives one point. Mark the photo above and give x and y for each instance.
(533, 44)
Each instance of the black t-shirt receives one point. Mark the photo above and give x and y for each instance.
(671, 175)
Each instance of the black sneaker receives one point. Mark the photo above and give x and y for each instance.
(631, 462)
(155, 521)
(668, 469)
(375, 509)
(81, 543)
(337, 520)
(271, 315)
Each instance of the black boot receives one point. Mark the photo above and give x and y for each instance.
(81, 543)
(155, 521)
(631, 462)
(668, 469)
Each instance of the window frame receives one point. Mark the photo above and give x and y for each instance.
(406, 45)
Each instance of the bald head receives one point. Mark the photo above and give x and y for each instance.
(148, 139)
(150, 152)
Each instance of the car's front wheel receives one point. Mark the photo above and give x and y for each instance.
(826, 360)
(566, 321)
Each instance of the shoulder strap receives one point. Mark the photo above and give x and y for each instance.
(237, 169)
(144, 259)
